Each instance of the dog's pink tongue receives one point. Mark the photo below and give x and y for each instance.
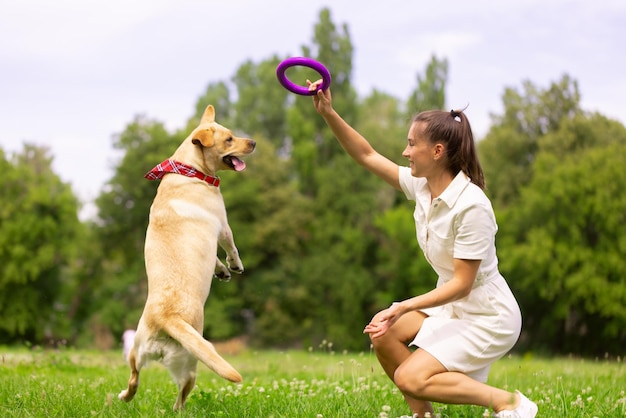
(238, 164)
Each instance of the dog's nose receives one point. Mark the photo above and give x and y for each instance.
(252, 144)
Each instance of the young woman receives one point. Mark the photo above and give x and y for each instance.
(471, 318)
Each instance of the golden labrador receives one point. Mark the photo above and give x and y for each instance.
(187, 221)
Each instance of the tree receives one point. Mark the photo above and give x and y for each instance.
(431, 88)
(123, 209)
(270, 222)
(38, 223)
(508, 150)
(260, 106)
(218, 95)
(562, 249)
(313, 145)
(559, 234)
(381, 118)
(402, 270)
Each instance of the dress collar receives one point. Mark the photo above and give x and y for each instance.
(454, 189)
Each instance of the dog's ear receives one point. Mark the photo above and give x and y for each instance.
(204, 137)
(209, 115)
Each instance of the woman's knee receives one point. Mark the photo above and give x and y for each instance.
(410, 381)
(400, 333)
(389, 340)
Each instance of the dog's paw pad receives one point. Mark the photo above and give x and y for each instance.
(235, 265)
(223, 276)
(237, 270)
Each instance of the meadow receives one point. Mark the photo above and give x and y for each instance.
(316, 383)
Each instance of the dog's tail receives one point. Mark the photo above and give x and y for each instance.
(204, 351)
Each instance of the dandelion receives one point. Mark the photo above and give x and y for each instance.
(340, 390)
(578, 402)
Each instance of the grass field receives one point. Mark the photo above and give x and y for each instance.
(314, 383)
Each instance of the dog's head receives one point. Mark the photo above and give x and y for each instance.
(219, 147)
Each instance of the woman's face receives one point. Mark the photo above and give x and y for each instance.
(419, 151)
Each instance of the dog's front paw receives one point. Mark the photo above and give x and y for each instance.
(221, 271)
(234, 264)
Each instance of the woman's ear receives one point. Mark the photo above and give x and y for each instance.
(438, 150)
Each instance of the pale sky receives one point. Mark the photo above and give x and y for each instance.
(73, 73)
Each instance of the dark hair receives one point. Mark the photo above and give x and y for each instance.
(454, 131)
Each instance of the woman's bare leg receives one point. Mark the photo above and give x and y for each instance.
(421, 376)
(391, 350)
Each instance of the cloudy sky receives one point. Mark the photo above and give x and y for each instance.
(74, 73)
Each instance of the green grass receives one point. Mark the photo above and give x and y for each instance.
(75, 383)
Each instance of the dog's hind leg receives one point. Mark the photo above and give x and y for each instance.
(128, 394)
(184, 374)
(183, 392)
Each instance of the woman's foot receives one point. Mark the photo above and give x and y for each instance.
(525, 409)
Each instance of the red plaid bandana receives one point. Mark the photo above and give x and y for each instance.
(171, 166)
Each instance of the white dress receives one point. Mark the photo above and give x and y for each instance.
(469, 334)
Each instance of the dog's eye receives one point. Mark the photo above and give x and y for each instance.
(229, 139)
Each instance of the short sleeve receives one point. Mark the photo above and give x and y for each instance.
(475, 229)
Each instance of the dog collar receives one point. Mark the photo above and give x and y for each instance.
(171, 166)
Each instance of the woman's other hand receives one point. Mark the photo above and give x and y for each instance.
(383, 320)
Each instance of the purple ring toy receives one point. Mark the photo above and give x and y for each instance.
(304, 62)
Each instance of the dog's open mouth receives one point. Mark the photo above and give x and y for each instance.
(234, 162)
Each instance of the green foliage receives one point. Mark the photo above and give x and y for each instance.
(382, 119)
(561, 243)
(218, 95)
(38, 223)
(259, 109)
(333, 47)
(431, 88)
(118, 294)
(572, 228)
(270, 222)
(313, 144)
(508, 151)
(402, 269)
